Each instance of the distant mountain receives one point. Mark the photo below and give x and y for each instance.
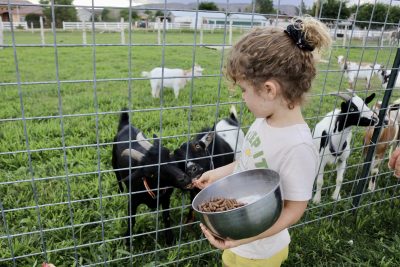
(290, 10)
(232, 7)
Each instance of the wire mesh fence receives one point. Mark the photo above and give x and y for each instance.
(63, 91)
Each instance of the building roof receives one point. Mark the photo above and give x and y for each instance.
(192, 5)
(31, 10)
(16, 2)
(289, 10)
(24, 7)
(96, 10)
(247, 17)
(202, 14)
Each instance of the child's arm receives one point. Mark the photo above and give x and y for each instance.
(211, 176)
(291, 213)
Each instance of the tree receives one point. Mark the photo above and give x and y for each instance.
(331, 9)
(394, 15)
(304, 10)
(105, 15)
(150, 15)
(33, 18)
(159, 13)
(376, 13)
(208, 6)
(60, 13)
(264, 6)
(124, 13)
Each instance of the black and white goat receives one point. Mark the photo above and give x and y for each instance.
(332, 136)
(147, 171)
(213, 148)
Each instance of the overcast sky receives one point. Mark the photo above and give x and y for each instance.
(125, 3)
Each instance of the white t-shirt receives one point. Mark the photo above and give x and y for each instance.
(290, 152)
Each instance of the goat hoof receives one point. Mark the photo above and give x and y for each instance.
(169, 239)
(371, 187)
(316, 199)
(127, 241)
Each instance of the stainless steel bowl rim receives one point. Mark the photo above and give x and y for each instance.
(235, 209)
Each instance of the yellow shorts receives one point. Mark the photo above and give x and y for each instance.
(230, 259)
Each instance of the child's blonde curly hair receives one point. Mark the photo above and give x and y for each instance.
(270, 53)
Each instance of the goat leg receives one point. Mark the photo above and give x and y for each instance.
(169, 236)
(320, 183)
(191, 216)
(340, 168)
(132, 208)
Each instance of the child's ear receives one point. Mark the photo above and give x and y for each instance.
(270, 89)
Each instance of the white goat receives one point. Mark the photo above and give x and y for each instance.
(172, 78)
(355, 70)
(388, 138)
(332, 136)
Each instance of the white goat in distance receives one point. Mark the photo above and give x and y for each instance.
(332, 136)
(354, 70)
(171, 78)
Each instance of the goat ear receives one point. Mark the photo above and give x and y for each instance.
(342, 95)
(142, 141)
(369, 98)
(156, 140)
(344, 108)
(137, 155)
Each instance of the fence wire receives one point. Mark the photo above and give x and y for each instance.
(63, 93)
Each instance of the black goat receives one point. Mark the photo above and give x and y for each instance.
(209, 150)
(138, 164)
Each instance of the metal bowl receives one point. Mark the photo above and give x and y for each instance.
(259, 189)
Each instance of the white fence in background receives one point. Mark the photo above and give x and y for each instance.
(359, 34)
(183, 26)
(117, 26)
(16, 25)
(104, 26)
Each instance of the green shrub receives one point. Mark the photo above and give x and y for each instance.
(33, 18)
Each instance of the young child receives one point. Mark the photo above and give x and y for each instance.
(274, 68)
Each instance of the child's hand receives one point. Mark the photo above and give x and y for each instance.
(221, 243)
(205, 180)
(394, 162)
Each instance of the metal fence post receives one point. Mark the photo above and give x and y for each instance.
(371, 149)
(1, 33)
(42, 31)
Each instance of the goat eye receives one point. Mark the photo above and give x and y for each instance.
(197, 146)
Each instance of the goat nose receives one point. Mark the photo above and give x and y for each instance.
(185, 178)
(386, 122)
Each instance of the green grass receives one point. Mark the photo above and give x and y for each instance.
(50, 161)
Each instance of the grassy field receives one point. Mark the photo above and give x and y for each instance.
(58, 117)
